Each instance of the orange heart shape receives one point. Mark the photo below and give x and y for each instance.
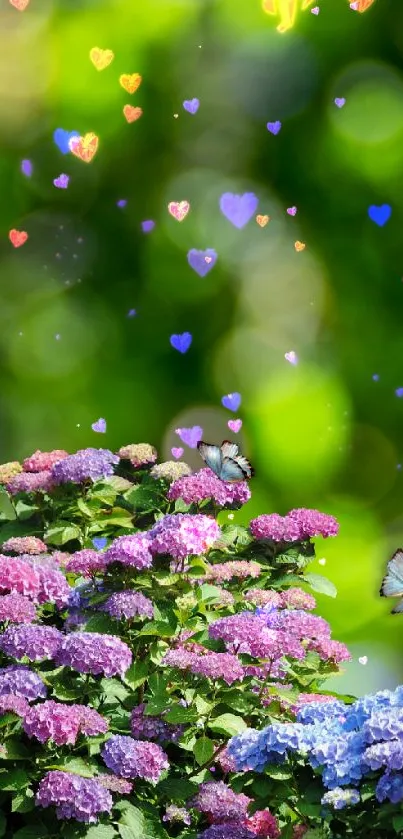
(85, 147)
(17, 237)
(299, 246)
(179, 209)
(131, 113)
(101, 58)
(20, 5)
(262, 220)
(130, 82)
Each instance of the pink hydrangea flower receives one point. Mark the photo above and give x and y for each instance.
(220, 803)
(183, 534)
(91, 652)
(133, 550)
(17, 609)
(263, 824)
(43, 461)
(31, 482)
(86, 562)
(130, 758)
(24, 545)
(296, 598)
(202, 485)
(62, 723)
(223, 572)
(263, 597)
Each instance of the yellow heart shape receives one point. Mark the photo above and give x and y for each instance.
(130, 82)
(101, 58)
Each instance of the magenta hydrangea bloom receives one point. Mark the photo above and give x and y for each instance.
(328, 649)
(86, 464)
(153, 728)
(53, 586)
(226, 762)
(223, 572)
(130, 758)
(17, 609)
(133, 550)
(31, 482)
(19, 576)
(86, 562)
(313, 523)
(128, 604)
(43, 461)
(296, 598)
(16, 704)
(275, 527)
(183, 534)
(211, 665)
(220, 803)
(263, 824)
(34, 642)
(24, 545)
(62, 723)
(200, 486)
(82, 799)
(91, 652)
(19, 680)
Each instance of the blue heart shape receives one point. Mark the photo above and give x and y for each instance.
(99, 542)
(181, 342)
(62, 139)
(380, 215)
(232, 401)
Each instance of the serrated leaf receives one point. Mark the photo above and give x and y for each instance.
(137, 674)
(16, 750)
(62, 533)
(142, 498)
(321, 584)
(114, 688)
(203, 750)
(179, 714)
(23, 802)
(75, 765)
(14, 780)
(102, 624)
(177, 789)
(100, 831)
(228, 724)
(209, 592)
(119, 484)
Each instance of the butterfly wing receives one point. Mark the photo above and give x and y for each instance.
(398, 609)
(212, 456)
(392, 584)
(231, 471)
(229, 449)
(246, 467)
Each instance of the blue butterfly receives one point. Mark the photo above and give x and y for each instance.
(392, 585)
(225, 461)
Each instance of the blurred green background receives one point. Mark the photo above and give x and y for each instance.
(323, 433)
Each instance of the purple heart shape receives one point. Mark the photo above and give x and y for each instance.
(190, 436)
(291, 357)
(177, 452)
(147, 226)
(181, 342)
(238, 209)
(99, 542)
(62, 181)
(191, 105)
(121, 203)
(202, 261)
(274, 127)
(26, 168)
(99, 426)
(399, 392)
(235, 425)
(380, 215)
(132, 313)
(340, 102)
(231, 401)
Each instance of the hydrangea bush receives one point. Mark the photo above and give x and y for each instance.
(161, 667)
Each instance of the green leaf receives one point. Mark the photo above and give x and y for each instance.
(179, 714)
(3, 824)
(16, 750)
(160, 628)
(137, 674)
(280, 773)
(100, 831)
(31, 832)
(181, 506)
(75, 765)
(209, 592)
(142, 498)
(228, 724)
(23, 802)
(177, 789)
(62, 533)
(102, 624)
(114, 688)
(321, 584)
(6, 507)
(85, 509)
(119, 484)
(14, 779)
(203, 750)
(397, 822)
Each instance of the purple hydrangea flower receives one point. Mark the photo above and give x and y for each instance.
(153, 728)
(62, 723)
(220, 803)
(21, 681)
(130, 758)
(202, 485)
(34, 642)
(183, 534)
(31, 482)
(388, 755)
(115, 784)
(86, 562)
(227, 831)
(17, 609)
(74, 797)
(86, 464)
(176, 814)
(127, 605)
(133, 550)
(211, 665)
(390, 787)
(91, 652)
(16, 704)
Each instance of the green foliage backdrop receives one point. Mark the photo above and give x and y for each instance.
(323, 433)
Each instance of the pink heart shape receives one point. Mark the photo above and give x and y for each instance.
(177, 452)
(292, 211)
(235, 425)
(315, 10)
